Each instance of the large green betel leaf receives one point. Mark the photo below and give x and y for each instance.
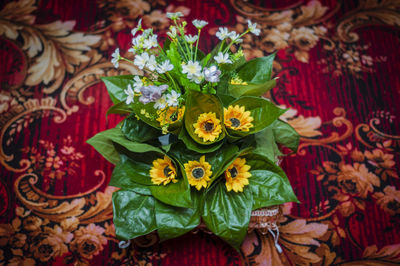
(251, 89)
(120, 108)
(137, 130)
(268, 183)
(265, 144)
(227, 214)
(135, 168)
(257, 74)
(198, 103)
(174, 221)
(258, 70)
(286, 135)
(262, 110)
(116, 86)
(104, 141)
(133, 214)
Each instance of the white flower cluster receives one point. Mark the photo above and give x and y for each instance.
(161, 87)
(223, 33)
(195, 73)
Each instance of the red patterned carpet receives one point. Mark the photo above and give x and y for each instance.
(338, 68)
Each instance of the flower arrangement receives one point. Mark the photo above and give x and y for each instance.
(199, 143)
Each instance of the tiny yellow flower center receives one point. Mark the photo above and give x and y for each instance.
(198, 172)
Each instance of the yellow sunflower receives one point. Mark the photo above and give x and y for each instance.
(170, 115)
(237, 175)
(208, 126)
(238, 118)
(163, 171)
(198, 172)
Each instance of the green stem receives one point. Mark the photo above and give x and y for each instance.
(126, 59)
(180, 28)
(173, 82)
(240, 36)
(197, 44)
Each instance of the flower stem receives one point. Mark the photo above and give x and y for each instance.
(197, 44)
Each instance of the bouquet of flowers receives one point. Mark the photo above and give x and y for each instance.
(199, 143)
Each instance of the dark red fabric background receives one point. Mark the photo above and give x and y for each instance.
(338, 68)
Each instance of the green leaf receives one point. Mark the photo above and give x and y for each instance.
(174, 221)
(175, 194)
(174, 57)
(150, 116)
(270, 185)
(133, 169)
(251, 89)
(262, 110)
(258, 70)
(198, 103)
(226, 99)
(133, 214)
(194, 146)
(116, 86)
(227, 214)
(265, 144)
(269, 189)
(120, 108)
(137, 130)
(286, 135)
(103, 143)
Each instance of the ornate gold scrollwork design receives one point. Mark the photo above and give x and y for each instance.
(29, 107)
(76, 86)
(339, 121)
(370, 135)
(59, 208)
(371, 12)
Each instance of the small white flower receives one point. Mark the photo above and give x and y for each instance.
(191, 39)
(222, 58)
(161, 103)
(137, 84)
(175, 15)
(165, 67)
(150, 42)
(198, 78)
(212, 74)
(199, 24)
(173, 98)
(191, 69)
(138, 27)
(235, 37)
(253, 28)
(173, 32)
(222, 33)
(141, 60)
(152, 63)
(115, 58)
(129, 92)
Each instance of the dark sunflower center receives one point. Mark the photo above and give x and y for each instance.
(235, 122)
(198, 172)
(167, 171)
(208, 126)
(174, 117)
(233, 171)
